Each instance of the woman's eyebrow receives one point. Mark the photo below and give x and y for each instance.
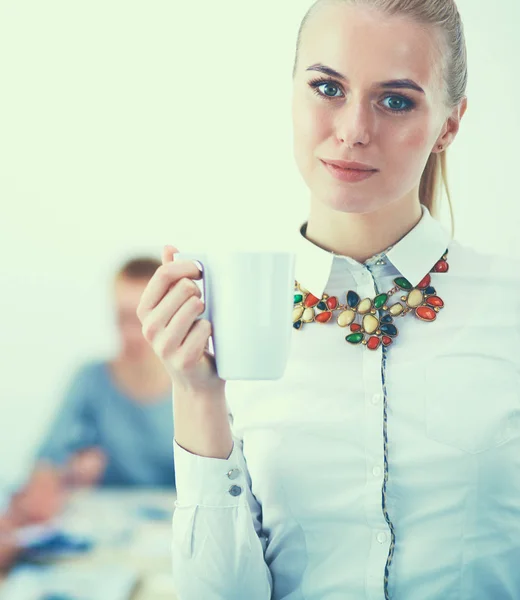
(395, 83)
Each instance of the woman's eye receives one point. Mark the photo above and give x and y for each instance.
(398, 103)
(330, 90)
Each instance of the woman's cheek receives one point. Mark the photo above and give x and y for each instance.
(407, 147)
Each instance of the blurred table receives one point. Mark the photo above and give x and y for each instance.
(131, 528)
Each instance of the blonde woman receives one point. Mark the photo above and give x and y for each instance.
(386, 462)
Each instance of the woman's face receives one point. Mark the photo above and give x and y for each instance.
(383, 107)
(127, 295)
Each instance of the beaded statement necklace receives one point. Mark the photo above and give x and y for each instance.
(371, 320)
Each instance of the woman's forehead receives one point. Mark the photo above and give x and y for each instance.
(365, 44)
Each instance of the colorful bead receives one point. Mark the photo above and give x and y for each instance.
(403, 283)
(425, 313)
(297, 325)
(323, 317)
(425, 282)
(355, 338)
(308, 315)
(441, 267)
(322, 305)
(370, 324)
(387, 319)
(386, 340)
(415, 298)
(435, 301)
(429, 291)
(396, 309)
(388, 329)
(332, 303)
(298, 298)
(346, 318)
(355, 327)
(352, 299)
(311, 301)
(380, 301)
(297, 313)
(373, 343)
(365, 306)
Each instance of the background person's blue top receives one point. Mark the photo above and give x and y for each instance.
(137, 439)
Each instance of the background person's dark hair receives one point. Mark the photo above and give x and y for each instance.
(140, 267)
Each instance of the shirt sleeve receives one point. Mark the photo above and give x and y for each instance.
(73, 427)
(218, 544)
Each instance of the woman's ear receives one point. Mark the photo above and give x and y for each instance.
(452, 125)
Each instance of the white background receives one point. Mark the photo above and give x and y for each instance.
(128, 125)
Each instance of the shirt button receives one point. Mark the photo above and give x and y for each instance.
(376, 398)
(377, 471)
(381, 537)
(233, 474)
(235, 490)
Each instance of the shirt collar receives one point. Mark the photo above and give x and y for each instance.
(413, 256)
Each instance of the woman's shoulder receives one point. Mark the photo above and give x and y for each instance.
(92, 372)
(490, 268)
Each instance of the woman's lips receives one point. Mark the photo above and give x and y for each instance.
(350, 175)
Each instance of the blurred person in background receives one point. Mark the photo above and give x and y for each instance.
(114, 427)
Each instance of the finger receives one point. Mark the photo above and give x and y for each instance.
(161, 281)
(158, 318)
(169, 339)
(168, 254)
(194, 345)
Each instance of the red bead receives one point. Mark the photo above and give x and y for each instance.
(311, 301)
(441, 267)
(323, 317)
(435, 301)
(332, 302)
(426, 313)
(386, 340)
(355, 327)
(373, 343)
(425, 282)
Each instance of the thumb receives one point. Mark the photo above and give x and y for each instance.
(168, 254)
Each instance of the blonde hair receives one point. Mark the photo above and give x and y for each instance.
(443, 15)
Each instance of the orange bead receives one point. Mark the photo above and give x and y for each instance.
(311, 301)
(426, 313)
(435, 301)
(373, 343)
(323, 317)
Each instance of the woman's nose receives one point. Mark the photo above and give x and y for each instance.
(353, 125)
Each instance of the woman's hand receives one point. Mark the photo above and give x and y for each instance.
(41, 499)
(9, 549)
(85, 468)
(169, 311)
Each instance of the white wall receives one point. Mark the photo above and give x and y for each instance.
(128, 125)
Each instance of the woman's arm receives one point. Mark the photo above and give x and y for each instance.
(218, 544)
(217, 554)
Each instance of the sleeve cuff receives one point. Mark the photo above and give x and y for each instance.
(211, 482)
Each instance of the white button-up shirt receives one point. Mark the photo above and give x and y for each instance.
(364, 474)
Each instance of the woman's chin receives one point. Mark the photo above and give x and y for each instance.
(347, 203)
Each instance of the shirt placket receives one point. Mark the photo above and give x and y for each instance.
(376, 452)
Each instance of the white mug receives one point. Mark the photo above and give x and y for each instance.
(249, 299)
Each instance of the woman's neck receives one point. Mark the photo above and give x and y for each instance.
(361, 236)
(144, 380)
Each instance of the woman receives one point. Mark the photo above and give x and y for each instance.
(386, 462)
(114, 427)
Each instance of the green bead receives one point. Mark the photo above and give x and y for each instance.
(403, 283)
(355, 338)
(298, 298)
(380, 301)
